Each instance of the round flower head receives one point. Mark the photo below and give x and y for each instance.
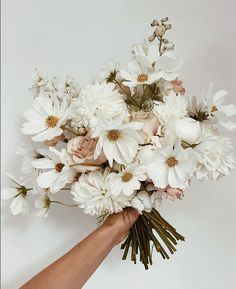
(172, 166)
(119, 142)
(46, 118)
(128, 180)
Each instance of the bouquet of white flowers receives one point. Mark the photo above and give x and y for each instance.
(130, 139)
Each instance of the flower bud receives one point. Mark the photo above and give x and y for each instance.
(188, 130)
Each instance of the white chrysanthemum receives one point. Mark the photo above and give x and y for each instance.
(172, 106)
(139, 74)
(172, 166)
(93, 194)
(46, 118)
(214, 154)
(128, 180)
(56, 170)
(18, 192)
(217, 109)
(119, 142)
(149, 56)
(99, 102)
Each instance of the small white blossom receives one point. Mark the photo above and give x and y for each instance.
(56, 170)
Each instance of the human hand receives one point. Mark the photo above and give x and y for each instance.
(119, 224)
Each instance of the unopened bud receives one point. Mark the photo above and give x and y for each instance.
(168, 26)
(165, 41)
(154, 23)
(151, 38)
(165, 19)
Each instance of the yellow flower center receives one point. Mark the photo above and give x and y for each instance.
(171, 162)
(113, 135)
(127, 177)
(142, 77)
(52, 121)
(214, 108)
(59, 167)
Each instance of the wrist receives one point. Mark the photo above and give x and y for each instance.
(113, 233)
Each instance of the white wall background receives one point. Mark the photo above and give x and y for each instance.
(77, 37)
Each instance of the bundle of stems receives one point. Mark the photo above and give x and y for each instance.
(146, 234)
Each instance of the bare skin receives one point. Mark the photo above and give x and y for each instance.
(72, 270)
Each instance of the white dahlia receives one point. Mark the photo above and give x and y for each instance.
(119, 142)
(215, 155)
(128, 180)
(99, 102)
(172, 166)
(173, 106)
(56, 172)
(46, 118)
(93, 194)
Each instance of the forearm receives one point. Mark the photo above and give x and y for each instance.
(74, 268)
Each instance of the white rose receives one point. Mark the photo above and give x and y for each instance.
(188, 130)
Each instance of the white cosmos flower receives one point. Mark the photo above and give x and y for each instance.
(139, 74)
(128, 180)
(93, 194)
(218, 110)
(42, 203)
(172, 106)
(149, 56)
(172, 166)
(104, 74)
(119, 142)
(56, 170)
(215, 155)
(99, 102)
(45, 119)
(18, 192)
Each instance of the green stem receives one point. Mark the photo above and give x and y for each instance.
(57, 202)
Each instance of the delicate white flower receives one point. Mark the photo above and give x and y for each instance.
(42, 203)
(119, 142)
(215, 155)
(128, 180)
(40, 82)
(109, 72)
(18, 192)
(172, 166)
(142, 202)
(217, 109)
(93, 194)
(139, 74)
(172, 106)
(99, 102)
(71, 89)
(46, 118)
(149, 56)
(58, 171)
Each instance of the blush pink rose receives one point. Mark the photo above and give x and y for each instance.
(178, 86)
(53, 142)
(150, 121)
(81, 151)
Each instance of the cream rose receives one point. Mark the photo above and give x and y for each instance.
(150, 122)
(81, 151)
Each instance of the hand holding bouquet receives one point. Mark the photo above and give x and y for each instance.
(130, 139)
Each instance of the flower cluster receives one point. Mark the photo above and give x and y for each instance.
(129, 139)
